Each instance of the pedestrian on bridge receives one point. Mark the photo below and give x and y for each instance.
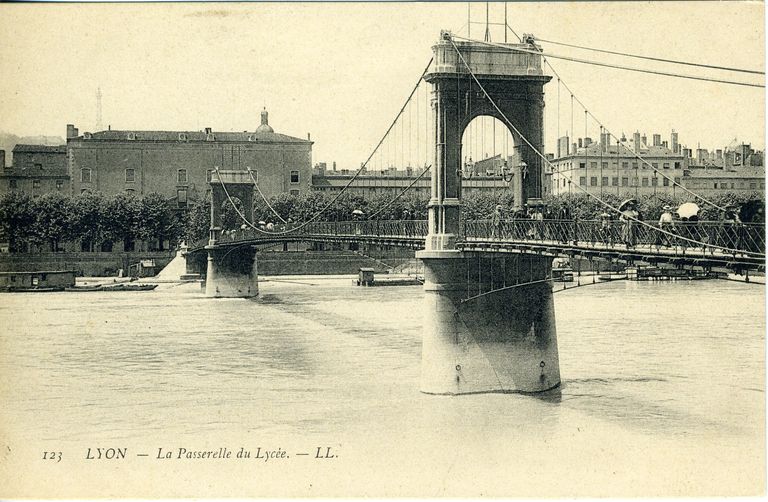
(606, 223)
(629, 217)
(496, 220)
(666, 224)
(406, 223)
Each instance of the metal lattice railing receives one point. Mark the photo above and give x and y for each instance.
(703, 237)
(708, 236)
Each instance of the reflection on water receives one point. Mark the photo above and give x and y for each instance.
(320, 356)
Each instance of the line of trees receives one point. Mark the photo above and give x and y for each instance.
(95, 219)
(99, 220)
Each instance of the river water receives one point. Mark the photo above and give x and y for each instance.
(663, 394)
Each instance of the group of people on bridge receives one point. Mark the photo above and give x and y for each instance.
(629, 228)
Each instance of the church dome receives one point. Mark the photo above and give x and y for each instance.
(264, 127)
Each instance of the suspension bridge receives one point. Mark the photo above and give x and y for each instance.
(489, 318)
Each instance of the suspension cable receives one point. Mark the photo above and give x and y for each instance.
(352, 179)
(401, 193)
(663, 60)
(619, 145)
(555, 169)
(616, 66)
(264, 198)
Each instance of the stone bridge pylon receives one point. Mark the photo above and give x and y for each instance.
(232, 270)
(503, 341)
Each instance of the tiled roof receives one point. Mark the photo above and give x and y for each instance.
(40, 148)
(192, 136)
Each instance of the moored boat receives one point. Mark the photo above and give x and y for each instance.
(612, 277)
(96, 287)
(33, 289)
(130, 287)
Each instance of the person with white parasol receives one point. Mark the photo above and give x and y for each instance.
(357, 215)
(689, 215)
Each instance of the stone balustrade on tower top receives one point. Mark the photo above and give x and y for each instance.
(231, 177)
(486, 60)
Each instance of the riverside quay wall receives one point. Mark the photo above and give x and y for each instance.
(85, 264)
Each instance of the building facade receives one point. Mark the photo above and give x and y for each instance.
(603, 167)
(179, 164)
(393, 181)
(713, 181)
(36, 169)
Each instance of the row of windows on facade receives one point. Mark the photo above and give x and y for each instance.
(181, 175)
(625, 182)
(36, 184)
(624, 165)
(614, 181)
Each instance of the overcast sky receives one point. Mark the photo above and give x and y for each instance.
(341, 71)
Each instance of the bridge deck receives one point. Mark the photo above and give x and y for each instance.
(702, 243)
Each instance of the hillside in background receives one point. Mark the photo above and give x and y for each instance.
(8, 141)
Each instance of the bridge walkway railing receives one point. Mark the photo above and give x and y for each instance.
(703, 238)
(688, 239)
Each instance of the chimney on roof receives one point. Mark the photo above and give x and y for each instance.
(675, 145)
(309, 138)
(636, 141)
(645, 139)
(581, 142)
(207, 130)
(657, 140)
(605, 141)
(71, 131)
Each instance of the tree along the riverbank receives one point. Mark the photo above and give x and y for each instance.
(93, 218)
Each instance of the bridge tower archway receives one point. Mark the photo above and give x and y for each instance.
(225, 185)
(509, 88)
(488, 150)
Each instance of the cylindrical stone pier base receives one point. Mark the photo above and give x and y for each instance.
(480, 334)
(232, 273)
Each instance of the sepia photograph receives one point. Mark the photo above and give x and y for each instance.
(382, 249)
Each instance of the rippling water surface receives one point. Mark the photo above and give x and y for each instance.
(663, 390)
